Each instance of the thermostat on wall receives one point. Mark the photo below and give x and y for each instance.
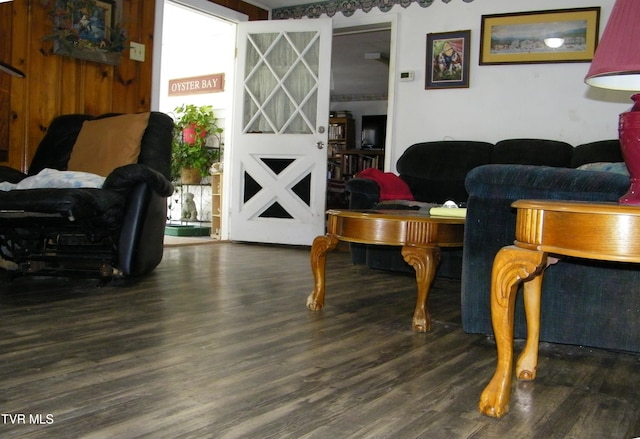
(406, 76)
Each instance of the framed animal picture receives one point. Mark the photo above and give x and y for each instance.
(447, 60)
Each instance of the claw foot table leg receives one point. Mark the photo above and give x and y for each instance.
(510, 266)
(424, 261)
(321, 245)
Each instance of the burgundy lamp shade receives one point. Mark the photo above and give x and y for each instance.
(616, 63)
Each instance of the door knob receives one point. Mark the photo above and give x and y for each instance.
(320, 145)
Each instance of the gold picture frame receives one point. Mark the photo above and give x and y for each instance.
(554, 36)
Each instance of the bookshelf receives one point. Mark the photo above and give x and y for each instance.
(345, 160)
(216, 205)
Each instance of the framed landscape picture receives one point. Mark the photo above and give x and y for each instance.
(563, 35)
(447, 60)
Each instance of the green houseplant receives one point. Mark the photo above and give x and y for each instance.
(190, 153)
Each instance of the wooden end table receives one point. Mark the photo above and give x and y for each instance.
(419, 234)
(602, 231)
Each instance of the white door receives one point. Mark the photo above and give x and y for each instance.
(281, 112)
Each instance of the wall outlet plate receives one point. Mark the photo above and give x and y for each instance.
(136, 52)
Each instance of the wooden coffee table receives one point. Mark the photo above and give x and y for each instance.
(544, 229)
(419, 234)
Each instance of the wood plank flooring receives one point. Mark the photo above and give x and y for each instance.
(218, 343)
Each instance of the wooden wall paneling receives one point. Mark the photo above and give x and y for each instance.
(70, 76)
(124, 93)
(5, 80)
(58, 85)
(132, 86)
(98, 89)
(253, 12)
(125, 86)
(44, 94)
(18, 136)
(145, 70)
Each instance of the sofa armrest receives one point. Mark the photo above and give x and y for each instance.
(124, 178)
(491, 221)
(141, 234)
(514, 182)
(365, 193)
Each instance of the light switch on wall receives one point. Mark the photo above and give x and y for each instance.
(136, 52)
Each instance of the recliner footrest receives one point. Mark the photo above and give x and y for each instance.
(97, 207)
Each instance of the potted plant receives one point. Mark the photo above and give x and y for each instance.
(191, 157)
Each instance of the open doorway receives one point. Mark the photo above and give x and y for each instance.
(360, 89)
(197, 42)
(360, 72)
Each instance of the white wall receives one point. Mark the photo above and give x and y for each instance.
(506, 101)
(212, 52)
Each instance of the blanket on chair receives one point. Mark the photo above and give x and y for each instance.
(392, 187)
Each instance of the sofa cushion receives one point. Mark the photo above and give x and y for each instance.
(105, 144)
(435, 171)
(539, 152)
(600, 151)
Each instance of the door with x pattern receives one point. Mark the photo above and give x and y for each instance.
(281, 112)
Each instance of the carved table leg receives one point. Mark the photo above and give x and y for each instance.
(424, 261)
(321, 245)
(511, 265)
(527, 364)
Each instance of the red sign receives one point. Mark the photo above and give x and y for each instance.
(197, 85)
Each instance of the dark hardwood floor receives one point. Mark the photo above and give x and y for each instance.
(218, 343)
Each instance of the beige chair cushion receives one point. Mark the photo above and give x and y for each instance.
(105, 144)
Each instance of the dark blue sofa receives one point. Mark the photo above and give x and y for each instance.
(436, 171)
(587, 303)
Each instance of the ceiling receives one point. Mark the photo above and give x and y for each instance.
(360, 63)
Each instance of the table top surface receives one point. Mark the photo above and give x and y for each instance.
(578, 206)
(395, 227)
(394, 215)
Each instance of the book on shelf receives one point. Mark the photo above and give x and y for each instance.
(336, 132)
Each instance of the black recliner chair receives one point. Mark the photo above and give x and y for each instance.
(115, 230)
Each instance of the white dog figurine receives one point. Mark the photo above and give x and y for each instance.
(189, 211)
